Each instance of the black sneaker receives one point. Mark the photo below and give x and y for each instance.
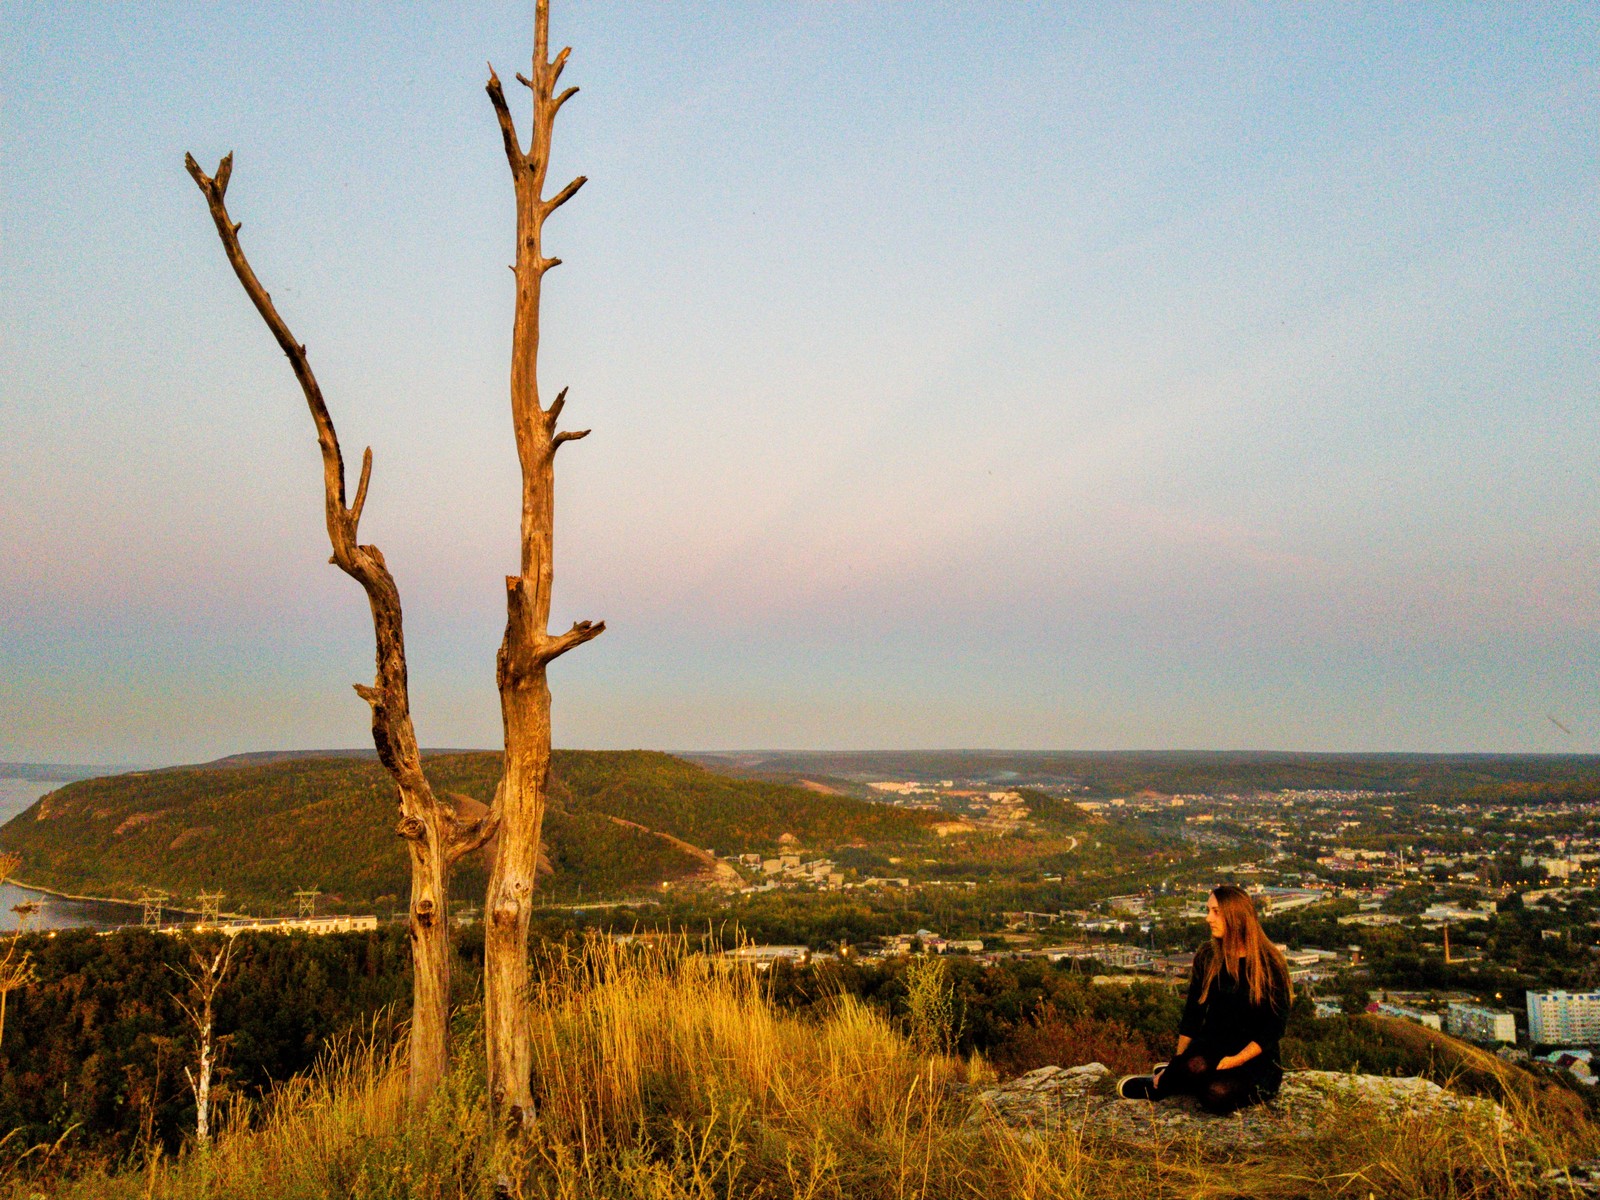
(1137, 1087)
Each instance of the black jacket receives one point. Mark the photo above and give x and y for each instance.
(1227, 1022)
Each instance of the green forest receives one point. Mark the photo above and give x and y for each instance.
(95, 1047)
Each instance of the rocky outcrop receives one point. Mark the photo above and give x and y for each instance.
(1085, 1098)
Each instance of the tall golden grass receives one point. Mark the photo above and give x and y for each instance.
(665, 1073)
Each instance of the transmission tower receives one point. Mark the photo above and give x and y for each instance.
(306, 901)
(152, 899)
(211, 907)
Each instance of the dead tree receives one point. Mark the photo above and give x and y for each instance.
(528, 647)
(433, 837)
(16, 964)
(204, 976)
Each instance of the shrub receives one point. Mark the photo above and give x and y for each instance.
(1051, 1039)
(931, 1021)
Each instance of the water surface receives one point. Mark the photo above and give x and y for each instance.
(55, 912)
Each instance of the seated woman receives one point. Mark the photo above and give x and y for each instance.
(1238, 1002)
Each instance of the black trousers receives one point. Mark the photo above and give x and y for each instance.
(1194, 1073)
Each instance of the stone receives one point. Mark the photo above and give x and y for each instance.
(1084, 1098)
(1578, 1179)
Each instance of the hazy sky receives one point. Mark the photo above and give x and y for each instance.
(1014, 375)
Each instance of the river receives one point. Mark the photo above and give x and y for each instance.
(55, 912)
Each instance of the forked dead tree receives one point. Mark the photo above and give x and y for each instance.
(205, 976)
(436, 839)
(528, 648)
(432, 834)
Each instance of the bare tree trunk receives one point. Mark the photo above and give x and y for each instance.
(433, 837)
(205, 980)
(202, 1086)
(527, 648)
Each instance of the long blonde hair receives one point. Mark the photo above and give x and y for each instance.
(1244, 947)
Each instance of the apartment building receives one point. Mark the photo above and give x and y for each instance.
(1564, 1018)
(1475, 1023)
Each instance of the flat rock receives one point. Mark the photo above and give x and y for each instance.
(1085, 1098)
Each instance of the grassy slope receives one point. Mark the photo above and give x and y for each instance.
(260, 830)
(670, 1077)
(728, 815)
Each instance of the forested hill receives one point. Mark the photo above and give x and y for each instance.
(259, 831)
(1443, 778)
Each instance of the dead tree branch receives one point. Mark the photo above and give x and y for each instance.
(393, 733)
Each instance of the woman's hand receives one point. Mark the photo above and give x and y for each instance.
(1228, 1061)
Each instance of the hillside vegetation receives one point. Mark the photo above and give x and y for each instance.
(730, 815)
(92, 1047)
(260, 830)
(664, 1074)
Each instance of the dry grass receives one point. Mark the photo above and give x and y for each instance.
(667, 1074)
(664, 1061)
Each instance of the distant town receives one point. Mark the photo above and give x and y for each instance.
(1383, 901)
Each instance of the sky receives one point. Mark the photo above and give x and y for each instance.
(961, 375)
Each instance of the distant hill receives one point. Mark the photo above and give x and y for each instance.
(59, 772)
(1512, 777)
(620, 823)
(256, 758)
(729, 815)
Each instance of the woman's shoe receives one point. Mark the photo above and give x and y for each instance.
(1137, 1087)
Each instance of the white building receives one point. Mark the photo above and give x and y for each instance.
(764, 956)
(1429, 1020)
(295, 925)
(1478, 1024)
(1454, 912)
(1564, 1018)
(1277, 900)
(1124, 958)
